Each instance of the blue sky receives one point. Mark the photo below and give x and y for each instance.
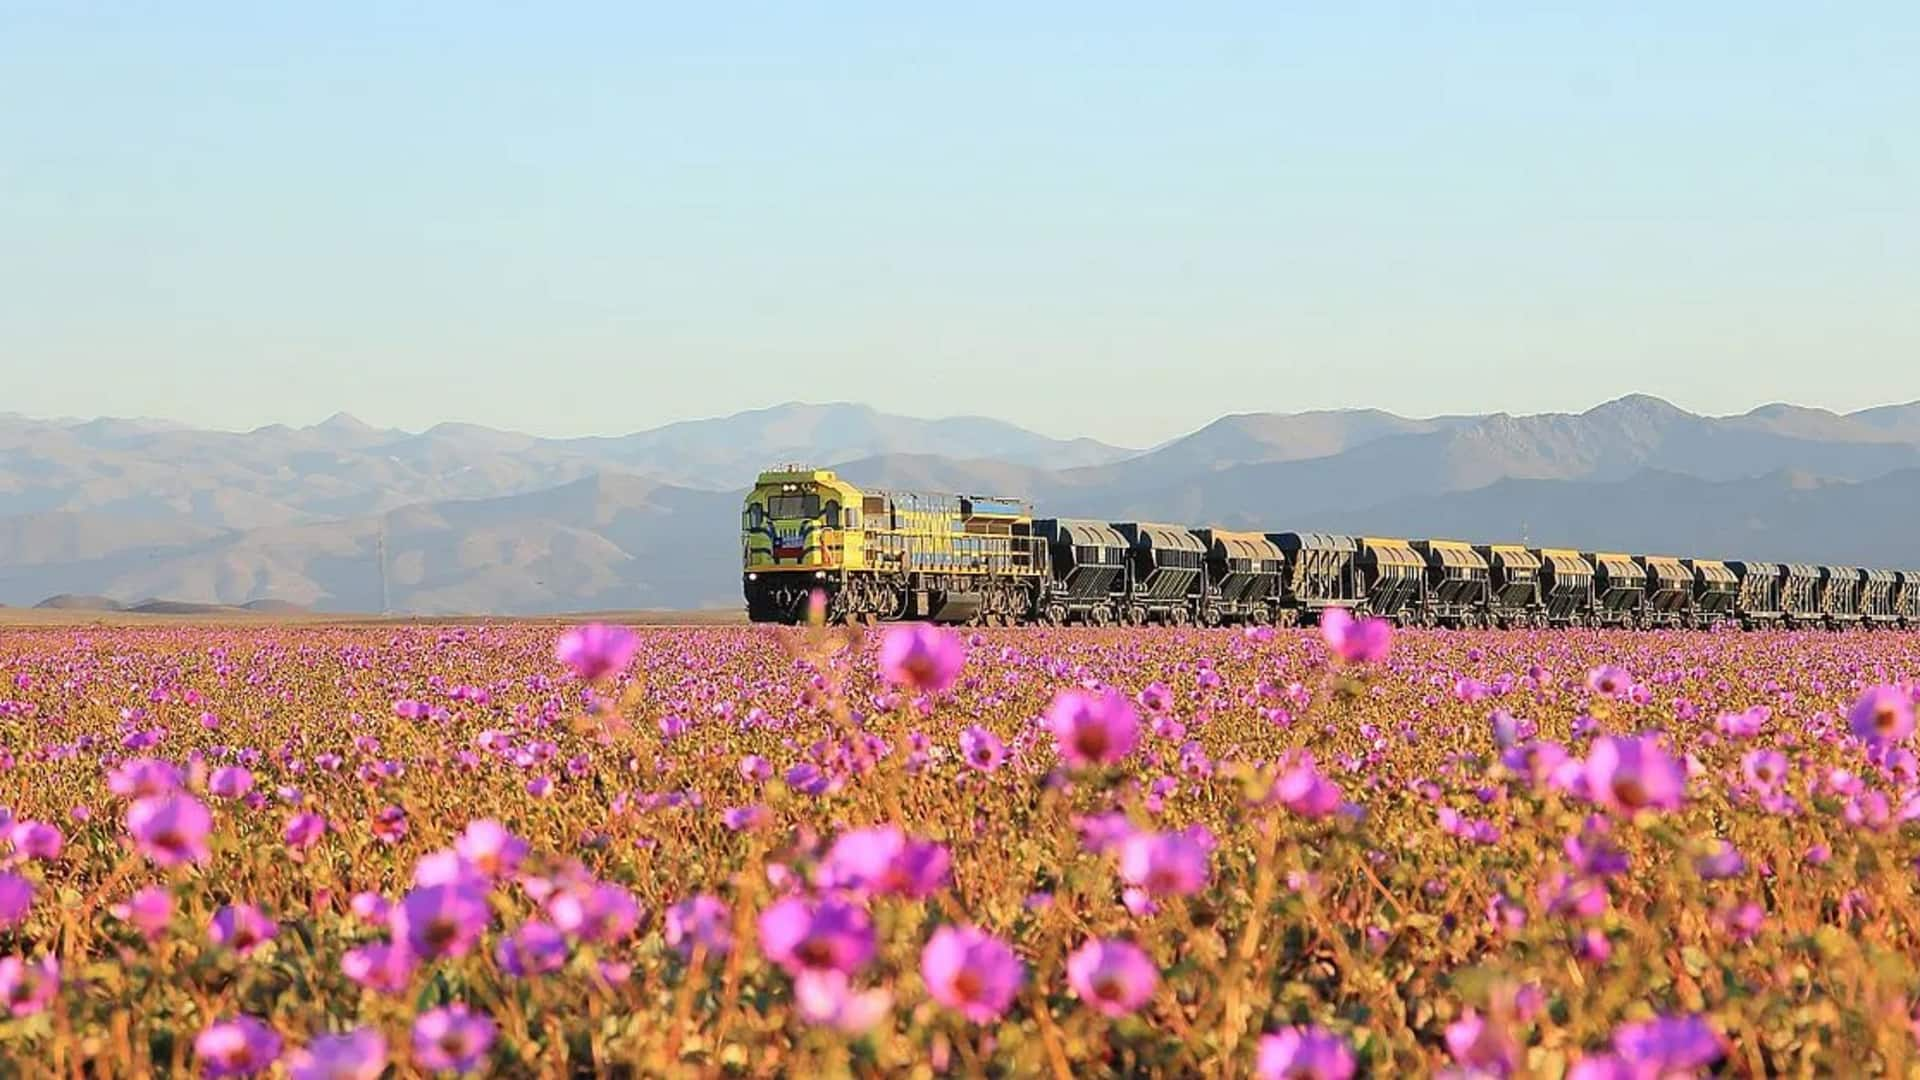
(1117, 220)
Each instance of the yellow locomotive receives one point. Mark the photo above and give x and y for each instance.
(885, 554)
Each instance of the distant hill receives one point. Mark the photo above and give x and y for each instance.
(70, 602)
(343, 516)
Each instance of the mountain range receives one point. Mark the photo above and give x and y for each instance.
(345, 516)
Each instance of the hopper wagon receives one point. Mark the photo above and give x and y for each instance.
(1716, 592)
(1877, 589)
(1669, 600)
(1906, 599)
(1168, 568)
(1839, 596)
(1759, 603)
(1395, 578)
(1087, 571)
(1513, 585)
(811, 537)
(1800, 595)
(1321, 571)
(1456, 582)
(1243, 577)
(1566, 587)
(1619, 589)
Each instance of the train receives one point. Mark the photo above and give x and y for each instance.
(881, 556)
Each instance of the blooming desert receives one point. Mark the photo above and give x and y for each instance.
(533, 850)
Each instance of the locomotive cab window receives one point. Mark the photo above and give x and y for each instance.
(793, 506)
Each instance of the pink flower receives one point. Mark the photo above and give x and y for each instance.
(595, 911)
(700, 921)
(1303, 789)
(1164, 864)
(360, 1054)
(490, 849)
(1355, 641)
(170, 829)
(826, 997)
(379, 967)
(1310, 1053)
(304, 830)
(883, 860)
(926, 658)
(1608, 680)
(390, 825)
(968, 969)
(149, 911)
(37, 840)
(1114, 977)
(452, 1038)
(981, 749)
(242, 928)
(1632, 774)
(440, 920)
(16, 899)
(831, 935)
(240, 1047)
(596, 651)
(1882, 714)
(1093, 731)
(28, 987)
(1476, 1044)
(230, 782)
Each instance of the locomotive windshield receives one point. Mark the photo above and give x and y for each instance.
(788, 507)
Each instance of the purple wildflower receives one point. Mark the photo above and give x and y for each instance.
(170, 829)
(968, 969)
(360, 1054)
(1092, 730)
(1355, 641)
(596, 651)
(699, 921)
(440, 920)
(1309, 1053)
(239, 1047)
(830, 935)
(452, 1039)
(1114, 977)
(926, 658)
(28, 986)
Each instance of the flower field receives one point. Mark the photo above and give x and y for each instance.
(522, 850)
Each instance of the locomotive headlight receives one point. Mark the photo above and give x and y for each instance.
(753, 577)
(821, 574)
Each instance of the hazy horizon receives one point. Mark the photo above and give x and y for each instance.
(1053, 432)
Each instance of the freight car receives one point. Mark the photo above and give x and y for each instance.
(886, 555)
